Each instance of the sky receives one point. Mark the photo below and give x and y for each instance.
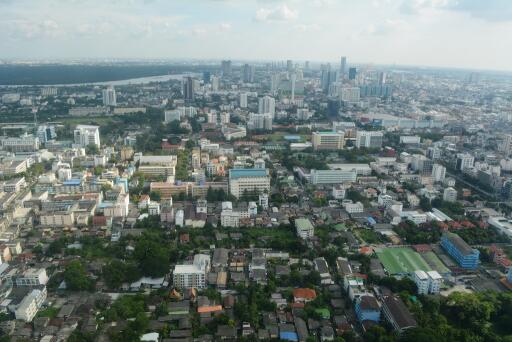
(446, 33)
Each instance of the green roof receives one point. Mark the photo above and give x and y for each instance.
(324, 312)
(402, 260)
(303, 224)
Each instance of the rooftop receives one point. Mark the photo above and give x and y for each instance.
(241, 173)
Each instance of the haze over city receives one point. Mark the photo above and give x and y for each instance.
(443, 33)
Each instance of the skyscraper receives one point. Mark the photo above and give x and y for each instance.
(226, 68)
(243, 100)
(109, 96)
(188, 89)
(289, 65)
(328, 76)
(248, 72)
(343, 67)
(352, 72)
(267, 105)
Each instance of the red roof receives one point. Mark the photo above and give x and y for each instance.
(304, 293)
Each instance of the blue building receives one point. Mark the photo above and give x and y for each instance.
(509, 275)
(466, 257)
(367, 309)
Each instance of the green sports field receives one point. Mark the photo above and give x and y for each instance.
(402, 260)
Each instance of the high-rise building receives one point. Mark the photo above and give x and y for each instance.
(369, 139)
(207, 76)
(243, 100)
(438, 172)
(87, 135)
(343, 67)
(260, 121)
(328, 76)
(352, 72)
(267, 105)
(215, 82)
(188, 89)
(350, 94)
(382, 77)
(109, 96)
(248, 72)
(45, 133)
(289, 65)
(226, 68)
(194, 275)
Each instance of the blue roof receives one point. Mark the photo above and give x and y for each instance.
(72, 182)
(239, 173)
(292, 137)
(288, 336)
(371, 220)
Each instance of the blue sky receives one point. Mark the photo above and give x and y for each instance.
(452, 33)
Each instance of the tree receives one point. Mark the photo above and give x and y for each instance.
(118, 272)
(92, 149)
(76, 277)
(152, 255)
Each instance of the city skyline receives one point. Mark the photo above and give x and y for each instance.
(438, 33)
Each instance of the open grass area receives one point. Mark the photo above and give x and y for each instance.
(434, 262)
(369, 236)
(402, 260)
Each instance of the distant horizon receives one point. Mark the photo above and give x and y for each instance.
(185, 61)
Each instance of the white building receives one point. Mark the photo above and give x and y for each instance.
(435, 280)
(465, 161)
(353, 208)
(87, 135)
(243, 100)
(194, 275)
(438, 172)
(248, 180)
(410, 139)
(450, 195)
(350, 94)
(32, 277)
(338, 192)
(109, 96)
(263, 201)
(24, 143)
(332, 176)
(29, 306)
(369, 139)
(172, 115)
(422, 281)
(260, 121)
(154, 208)
(267, 105)
(179, 218)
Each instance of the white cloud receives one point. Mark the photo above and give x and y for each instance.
(281, 13)
(225, 27)
(308, 27)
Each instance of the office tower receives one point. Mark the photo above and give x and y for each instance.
(293, 80)
(275, 79)
(109, 96)
(289, 65)
(248, 72)
(243, 100)
(226, 68)
(215, 81)
(188, 89)
(369, 139)
(49, 91)
(450, 195)
(267, 105)
(87, 135)
(343, 67)
(382, 78)
(328, 76)
(352, 72)
(207, 76)
(306, 65)
(225, 118)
